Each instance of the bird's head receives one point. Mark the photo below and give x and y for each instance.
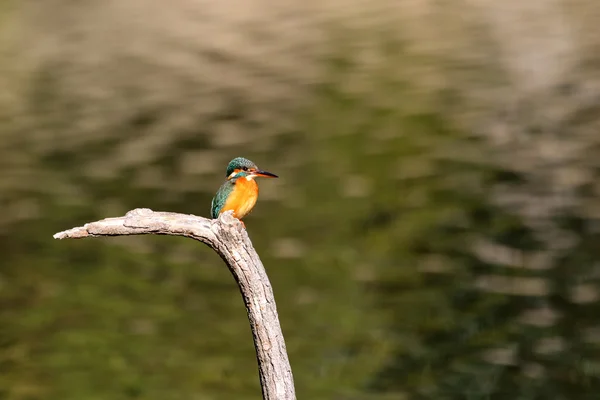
(241, 166)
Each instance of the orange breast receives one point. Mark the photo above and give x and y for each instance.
(242, 199)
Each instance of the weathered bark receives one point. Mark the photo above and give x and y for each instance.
(227, 237)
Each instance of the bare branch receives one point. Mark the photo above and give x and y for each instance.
(229, 239)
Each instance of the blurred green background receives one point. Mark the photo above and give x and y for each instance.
(434, 234)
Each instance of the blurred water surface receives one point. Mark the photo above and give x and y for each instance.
(434, 233)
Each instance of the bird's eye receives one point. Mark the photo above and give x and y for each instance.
(245, 168)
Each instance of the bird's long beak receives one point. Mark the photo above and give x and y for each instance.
(264, 174)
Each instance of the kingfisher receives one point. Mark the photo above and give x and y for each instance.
(240, 191)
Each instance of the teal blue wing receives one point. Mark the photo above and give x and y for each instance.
(213, 208)
(220, 198)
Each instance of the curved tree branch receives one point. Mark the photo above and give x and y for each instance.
(227, 237)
